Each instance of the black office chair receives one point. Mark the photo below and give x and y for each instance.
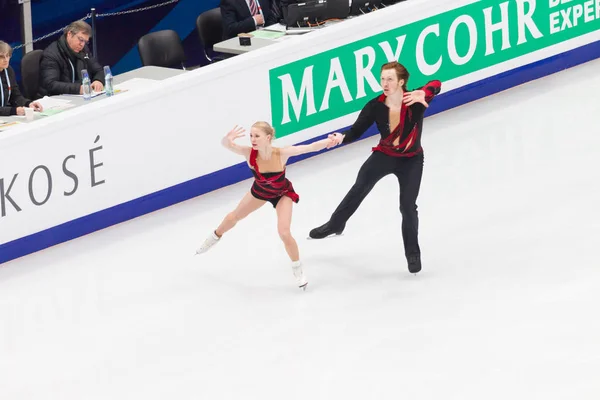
(210, 30)
(30, 74)
(162, 49)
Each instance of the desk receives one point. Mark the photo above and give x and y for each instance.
(232, 46)
(148, 72)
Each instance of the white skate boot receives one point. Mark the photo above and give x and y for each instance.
(299, 275)
(208, 243)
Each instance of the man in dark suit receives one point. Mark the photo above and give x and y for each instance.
(243, 16)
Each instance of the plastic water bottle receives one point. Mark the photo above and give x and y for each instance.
(87, 85)
(108, 79)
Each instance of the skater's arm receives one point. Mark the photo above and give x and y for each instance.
(365, 119)
(432, 89)
(424, 94)
(229, 141)
(418, 100)
(291, 151)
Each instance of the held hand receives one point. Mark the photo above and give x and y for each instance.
(417, 96)
(20, 110)
(236, 133)
(97, 86)
(331, 142)
(36, 106)
(336, 137)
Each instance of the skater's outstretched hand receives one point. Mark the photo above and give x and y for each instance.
(236, 133)
(228, 141)
(290, 151)
(416, 96)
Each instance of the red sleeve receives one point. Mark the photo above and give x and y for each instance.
(431, 89)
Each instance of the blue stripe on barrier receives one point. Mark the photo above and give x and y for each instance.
(215, 180)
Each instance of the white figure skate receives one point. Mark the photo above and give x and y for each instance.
(208, 243)
(299, 275)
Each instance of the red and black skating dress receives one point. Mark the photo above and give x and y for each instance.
(270, 184)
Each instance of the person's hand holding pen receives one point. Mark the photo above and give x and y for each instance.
(259, 20)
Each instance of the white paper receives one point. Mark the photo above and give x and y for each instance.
(49, 102)
(275, 27)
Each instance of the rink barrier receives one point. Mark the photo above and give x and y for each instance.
(239, 172)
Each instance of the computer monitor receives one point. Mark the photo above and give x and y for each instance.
(360, 7)
(307, 13)
(315, 12)
(387, 3)
(338, 9)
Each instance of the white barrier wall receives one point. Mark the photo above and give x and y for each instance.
(125, 148)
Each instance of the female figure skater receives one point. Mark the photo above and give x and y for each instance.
(399, 118)
(270, 184)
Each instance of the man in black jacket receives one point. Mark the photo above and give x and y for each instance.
(12, 102)
(243, 16)
(63, 60)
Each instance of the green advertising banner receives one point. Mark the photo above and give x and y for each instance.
(340, 81)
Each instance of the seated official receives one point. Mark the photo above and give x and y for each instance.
(12, 101)
(63, 60)
(244, 16)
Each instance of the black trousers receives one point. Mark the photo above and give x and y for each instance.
(409, 171)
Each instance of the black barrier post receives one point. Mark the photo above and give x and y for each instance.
(94, 38)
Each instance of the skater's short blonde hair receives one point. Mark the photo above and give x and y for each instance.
(265, 127)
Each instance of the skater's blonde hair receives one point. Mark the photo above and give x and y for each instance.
(265, 127)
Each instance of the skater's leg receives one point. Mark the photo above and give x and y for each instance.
(247, 205)
(369, 174)
(409, 175)
(376, 167)
(284, 222)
